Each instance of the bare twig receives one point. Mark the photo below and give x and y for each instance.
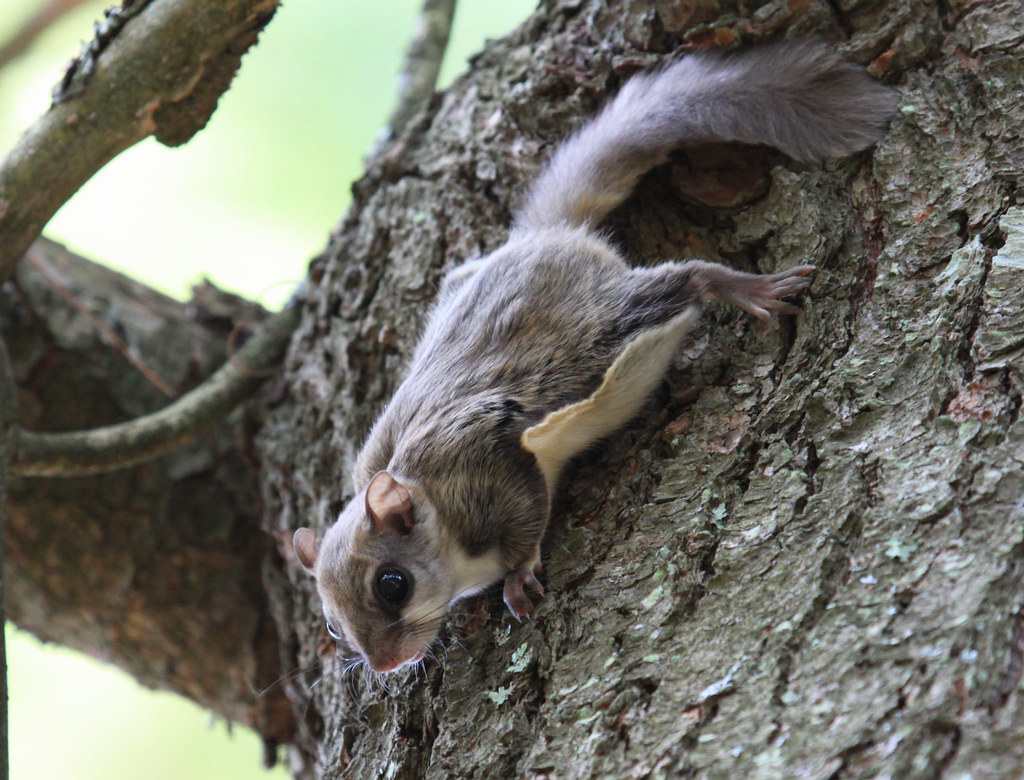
(160, 74)
(38, 22)
(8, 415)
(126, 444)
(423, 58)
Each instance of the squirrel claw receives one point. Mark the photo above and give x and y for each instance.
(519, 604)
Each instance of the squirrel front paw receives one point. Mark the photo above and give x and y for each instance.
(519, 604)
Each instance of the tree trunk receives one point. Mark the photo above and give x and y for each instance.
(806, 558)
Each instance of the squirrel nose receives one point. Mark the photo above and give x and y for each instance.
(385, 664)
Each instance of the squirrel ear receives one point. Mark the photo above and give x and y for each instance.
(304, 543)
(389, 505)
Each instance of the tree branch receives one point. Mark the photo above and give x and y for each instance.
(423, 58)
(38, 22)
(160, 74)
(158, 568)
(127, 444)
(8, 415)
(37, 257)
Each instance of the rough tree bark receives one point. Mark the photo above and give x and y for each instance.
(806, 559)
(155, 568)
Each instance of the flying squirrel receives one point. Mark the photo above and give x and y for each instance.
(553, 342)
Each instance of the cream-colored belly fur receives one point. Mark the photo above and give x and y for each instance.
(626, 385)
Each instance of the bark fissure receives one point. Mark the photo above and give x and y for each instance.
(835, 571)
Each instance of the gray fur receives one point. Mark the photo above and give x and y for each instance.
(536, 327)
(799, 97)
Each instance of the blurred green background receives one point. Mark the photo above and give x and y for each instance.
(245, 203)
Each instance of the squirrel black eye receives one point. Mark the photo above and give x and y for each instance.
(392, 586)
(333, 631)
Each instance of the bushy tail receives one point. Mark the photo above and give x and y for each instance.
(799, 97)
